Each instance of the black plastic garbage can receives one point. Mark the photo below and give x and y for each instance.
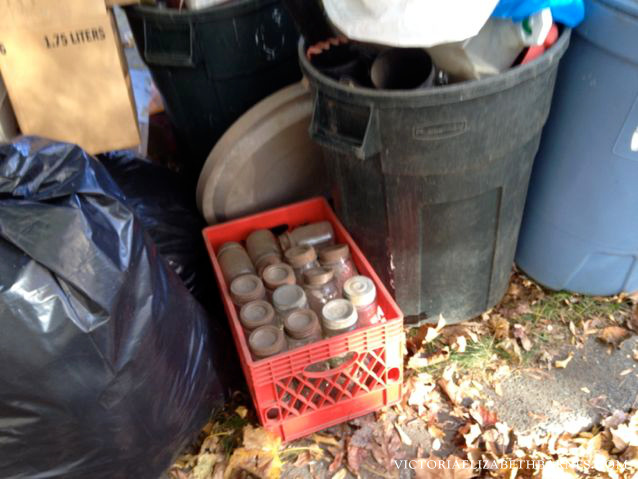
(212, 65)
(432, 183)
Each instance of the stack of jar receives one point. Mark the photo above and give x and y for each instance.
(296, 289)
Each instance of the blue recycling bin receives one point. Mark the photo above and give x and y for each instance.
(580, 226)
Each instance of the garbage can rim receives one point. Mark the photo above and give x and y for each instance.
(225, 9)
(441, 94)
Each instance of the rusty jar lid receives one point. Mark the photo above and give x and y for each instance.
(334, 254)
(266, 260)
(266, 341)
(256, 313)
(318, 276)
(277, 275)
(246, 288)
(301, 323)
(227, 246)
(300, 255)
(289, 297)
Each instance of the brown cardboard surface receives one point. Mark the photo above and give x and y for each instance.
(65, 76)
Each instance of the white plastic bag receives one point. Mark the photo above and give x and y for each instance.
(409, 23)
(494, 49)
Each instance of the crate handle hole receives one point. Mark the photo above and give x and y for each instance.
(272, 414)
(394, 374)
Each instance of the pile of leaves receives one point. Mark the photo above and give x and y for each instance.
(451, 372)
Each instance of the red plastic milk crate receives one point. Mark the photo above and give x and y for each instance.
(291, 400)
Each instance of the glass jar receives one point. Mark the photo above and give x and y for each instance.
(266, 341)
(301, 258)
(245, 289)
(277, 275)
(338, 259)
(337, 317)
(288, 298)
(256, 314)
(263, 249)
(234, 261)
(302, 327)
(362, 292)
(320, 287)
(313, 234)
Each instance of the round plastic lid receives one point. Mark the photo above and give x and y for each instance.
(288, 296)
(266, 341)
(360, 290)
(339, 314)
(256, 313)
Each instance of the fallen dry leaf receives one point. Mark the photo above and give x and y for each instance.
(303, 459)
(614, 335)
(562, 364)
(341, 474)
(418, 362)
(386, 446)
(572, 329)
(473, 434)
(617, 418)
(405, 439)
(483, 416)
(337, 461)
(324, 439)
(632, 322)
(259, 454)
(520, 334)
(554, 470)
(500, 326)
(460, 344)
(205, 465)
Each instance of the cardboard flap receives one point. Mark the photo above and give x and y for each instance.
(14, 14)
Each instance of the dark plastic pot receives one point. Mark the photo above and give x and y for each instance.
(432, 182)
(212, 65)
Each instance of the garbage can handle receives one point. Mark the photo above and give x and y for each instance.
(345, 127)
(169, 44)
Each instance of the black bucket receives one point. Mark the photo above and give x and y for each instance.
(431, 182)
(212, 65)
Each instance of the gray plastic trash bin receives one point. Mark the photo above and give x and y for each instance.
(580, 229)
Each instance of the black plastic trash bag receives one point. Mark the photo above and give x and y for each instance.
(106, 365)
(165, 204)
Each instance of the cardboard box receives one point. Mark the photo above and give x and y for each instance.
(8, 125)
(66, 74)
